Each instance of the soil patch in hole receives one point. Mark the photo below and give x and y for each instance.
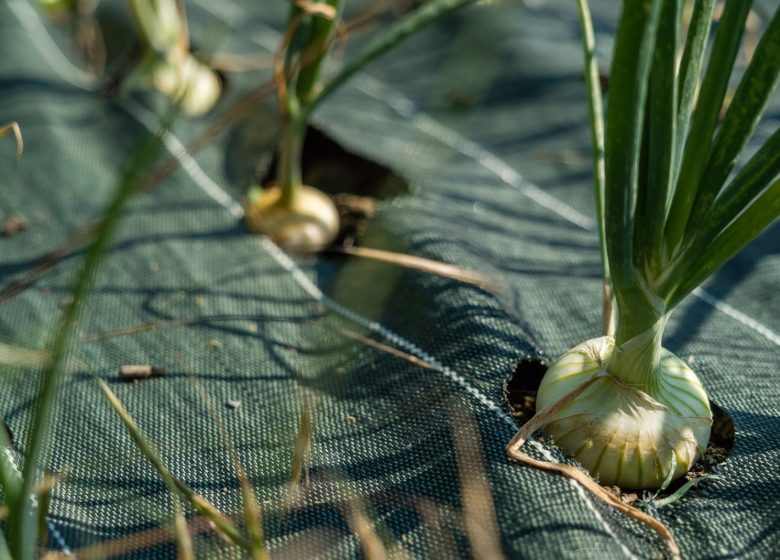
(354, 182)
(520, 393)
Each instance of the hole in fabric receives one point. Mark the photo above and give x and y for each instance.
(334, 170)
(520, 389)
(354, 182)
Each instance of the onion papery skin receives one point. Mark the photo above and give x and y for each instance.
(188, 81)
(308, 224)
(619, 433)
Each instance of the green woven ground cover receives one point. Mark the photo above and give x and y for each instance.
(485, 117)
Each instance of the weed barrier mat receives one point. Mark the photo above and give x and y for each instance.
(485, 116)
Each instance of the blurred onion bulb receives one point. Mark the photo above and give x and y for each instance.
(167, 64)
(634, 435)
(307, 223)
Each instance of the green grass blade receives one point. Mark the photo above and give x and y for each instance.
(219, 520)
(320, 43)
(253, 519)
(21, 521)
(183, 538)
(690, 69)
(662, 124)
(761, 212)
(596, 118)
(9, 479)
(430, 12)
(184, 548)
(705, 117)
(138, 437)
(632, 59)
(745, 110)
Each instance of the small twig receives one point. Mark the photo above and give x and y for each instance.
(389, 349)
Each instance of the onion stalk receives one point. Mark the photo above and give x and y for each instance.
(167, 63)
(674, 212)
(295, 215)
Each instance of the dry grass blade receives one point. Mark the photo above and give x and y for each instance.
(301, 453)
(136, 541)
(13, 127)
(442, 543)
(478, 508)
(376, 542)
(16, 356)
(253, 518)
(422, 264)
(543, 417)
(183, 537)
(48, 261)
(370, 543)
(388, 349)
(184, 548)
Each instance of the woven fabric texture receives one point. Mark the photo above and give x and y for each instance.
(485, 116)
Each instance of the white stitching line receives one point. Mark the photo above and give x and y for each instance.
(179, 151)
(310, 288)
(449, 137)
(724, 307)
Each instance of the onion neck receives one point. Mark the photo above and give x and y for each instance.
(289, 170)
(637, 353)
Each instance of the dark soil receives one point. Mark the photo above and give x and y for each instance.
(335, 170)
(520, 392)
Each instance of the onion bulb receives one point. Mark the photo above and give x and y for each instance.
(624, 434)
(188, 81)
(309, 222)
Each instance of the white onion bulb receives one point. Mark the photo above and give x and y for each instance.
(620, 433)
(308, 224)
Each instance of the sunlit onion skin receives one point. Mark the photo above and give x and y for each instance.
(310, 223)
(168, 64)
(621, 434)
(188, 81)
